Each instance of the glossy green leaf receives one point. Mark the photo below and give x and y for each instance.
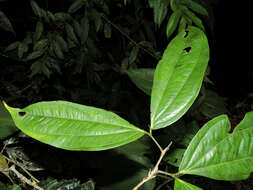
(173, 23)
(178, 77)
(183, 185)
(73, 126)
(7, 126)
(216, 154)
(142, 78)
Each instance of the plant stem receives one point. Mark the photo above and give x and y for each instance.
(157, 144)
(23, 178)
(153, 173)
(130, 39)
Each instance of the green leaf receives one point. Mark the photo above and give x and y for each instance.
(216, 154)
(183, 185)
(85, 29)
(63, 44)
(174, 157)
(38, 31)
(196, 7)
(71, 34)
(35, 55)
(12, 46)
(160, 10)
(72, 126)
(212, 105)
(22, 48)
(193, 17)
(142, 78)
(5, 23)
(178, 77)
(133, 54)
(41, 45)
(36, 9)
(76, 5)
(58, 50)
(40, 67)
(173, 22)
(71, 184)
(107, 30)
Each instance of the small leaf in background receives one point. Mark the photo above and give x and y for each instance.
(160, 10)
(183, 185)
(173, 23)
(7, 126)
(76, 5)
(58, 50)
(70, 184)
(73, 126)
(5, 23)
(142, 78)
(62, 17)
(178, 77)
(36, 9)
(175, 156)
(133, 54)
(39, 67)
(212, 105)
(22, 48)
(220, 155)
(77, 28)
(63, 44)
(38, 31)
(35, 54)
(193, 17)
(71, 34)
(98, 22)
(107, 30)
(12, 46)
(19, 155)
(85, 29)
(135, 165)
(41, 45)
(196, 7)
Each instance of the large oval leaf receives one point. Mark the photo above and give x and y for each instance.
(216, 154)
(178, 77)
(73, 126)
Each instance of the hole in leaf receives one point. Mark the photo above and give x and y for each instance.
(21, 113)
(175, 161)
(188, 49)
(186, 33)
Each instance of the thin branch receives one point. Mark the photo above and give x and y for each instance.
(23, 178)
(153, 173)
(157, 144)
(19, 165)
(129, 38)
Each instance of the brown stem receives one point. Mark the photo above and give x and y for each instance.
(153, 173)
